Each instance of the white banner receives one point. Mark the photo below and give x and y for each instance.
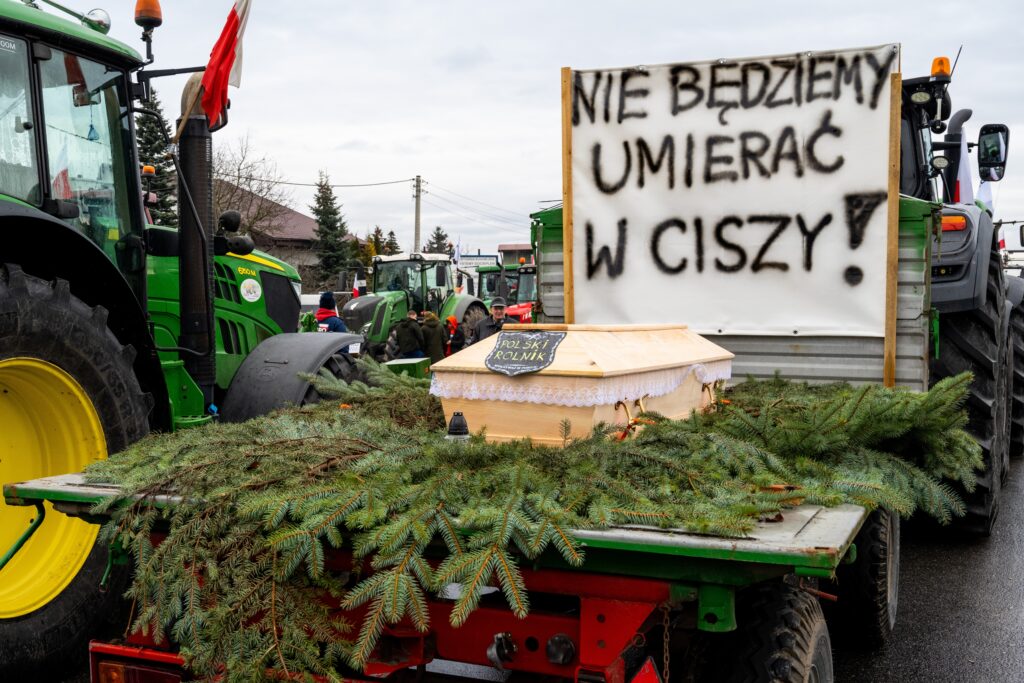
(735, 196)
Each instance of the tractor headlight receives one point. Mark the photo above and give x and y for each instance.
(297, 286)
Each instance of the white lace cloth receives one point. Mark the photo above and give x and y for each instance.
(573, 391)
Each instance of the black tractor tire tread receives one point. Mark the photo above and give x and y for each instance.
(864, 615)
(976, 341)
(779, 627)
(1017, 412)
(44, 320)
(340, 366)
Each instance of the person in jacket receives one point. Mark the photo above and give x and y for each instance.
(327, 316)
(491, 324)
(409, 337)
(435, 336)
(456, 338)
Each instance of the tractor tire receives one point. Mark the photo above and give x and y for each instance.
(780, 637)
(977, 341)
(869, 588)
(339, 366)
(1017, 412)
(68, 396)
(472, 316)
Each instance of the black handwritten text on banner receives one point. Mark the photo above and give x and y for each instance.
(737, 196)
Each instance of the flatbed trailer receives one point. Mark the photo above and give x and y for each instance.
(639, 606)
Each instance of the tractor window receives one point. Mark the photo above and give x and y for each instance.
(512, 285)
(527, 287)
(88, 144)
(395, 276)
(489, 285)
(19, 172)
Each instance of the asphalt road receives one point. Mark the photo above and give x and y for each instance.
(961, 606)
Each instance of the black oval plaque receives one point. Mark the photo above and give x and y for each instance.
(517, 353)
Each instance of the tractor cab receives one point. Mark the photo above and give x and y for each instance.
(424, 280)
(67, 145)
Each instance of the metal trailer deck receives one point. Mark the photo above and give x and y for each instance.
(632, 572)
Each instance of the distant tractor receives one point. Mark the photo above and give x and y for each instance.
(521, 302)
(404, 282)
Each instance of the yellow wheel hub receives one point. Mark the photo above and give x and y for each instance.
(48, 426)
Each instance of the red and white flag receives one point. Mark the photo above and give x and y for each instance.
(964, 191)
(225, 67)
(62, 180)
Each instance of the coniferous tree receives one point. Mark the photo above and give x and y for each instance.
(391, 246)
(331, 229)
(378, 239)
(153, 151)
(368, 250)
(438, 242)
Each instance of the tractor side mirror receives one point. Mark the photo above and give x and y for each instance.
(441, 277)
(240, 245)
(230, 221)
(993, 148)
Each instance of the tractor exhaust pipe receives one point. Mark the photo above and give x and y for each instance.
(195, 235)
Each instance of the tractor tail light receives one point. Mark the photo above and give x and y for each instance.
(954, 223)
(126, 672)
(111, 672)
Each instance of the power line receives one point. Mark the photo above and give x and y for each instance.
(288, 182)
(476, 201)
(471, 218)
(487, 215)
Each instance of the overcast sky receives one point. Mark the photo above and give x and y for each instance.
(466, 94)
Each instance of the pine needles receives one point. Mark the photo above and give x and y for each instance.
(245, 574)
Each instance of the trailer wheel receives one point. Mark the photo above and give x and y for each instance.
(781, 637)
(977, 341)
(869, 589)
(1017, 413)
(68, 396)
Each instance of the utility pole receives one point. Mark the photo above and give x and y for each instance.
(416, 246)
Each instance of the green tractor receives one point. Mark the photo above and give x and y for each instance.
(497, 280)
(404, 282)
(109, 327)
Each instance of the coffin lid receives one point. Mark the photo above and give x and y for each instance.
(601, 350)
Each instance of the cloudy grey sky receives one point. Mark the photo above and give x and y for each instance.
(467, 94)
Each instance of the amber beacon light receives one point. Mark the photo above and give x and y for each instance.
(148, 14)
(940, 66)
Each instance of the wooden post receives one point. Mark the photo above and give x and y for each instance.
(567, 229)
(893, 235)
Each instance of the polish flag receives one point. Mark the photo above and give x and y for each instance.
(985, 195)
(964, 191)
(62, 181)
(358, 286)
(225, 67)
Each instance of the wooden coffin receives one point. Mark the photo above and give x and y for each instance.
(587, 370)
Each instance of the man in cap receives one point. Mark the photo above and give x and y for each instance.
(327, 316)
(492, 323)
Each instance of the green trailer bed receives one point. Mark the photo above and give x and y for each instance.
(809, 540)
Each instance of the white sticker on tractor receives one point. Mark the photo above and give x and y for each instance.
(251, 290)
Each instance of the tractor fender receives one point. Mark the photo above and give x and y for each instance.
(462, 304)
(269, 376)
(49, 248)
(1014, 290)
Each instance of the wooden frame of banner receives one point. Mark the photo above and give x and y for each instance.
(892, 260)
(569, 301)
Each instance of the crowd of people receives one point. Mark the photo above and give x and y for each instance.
(433, 338)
